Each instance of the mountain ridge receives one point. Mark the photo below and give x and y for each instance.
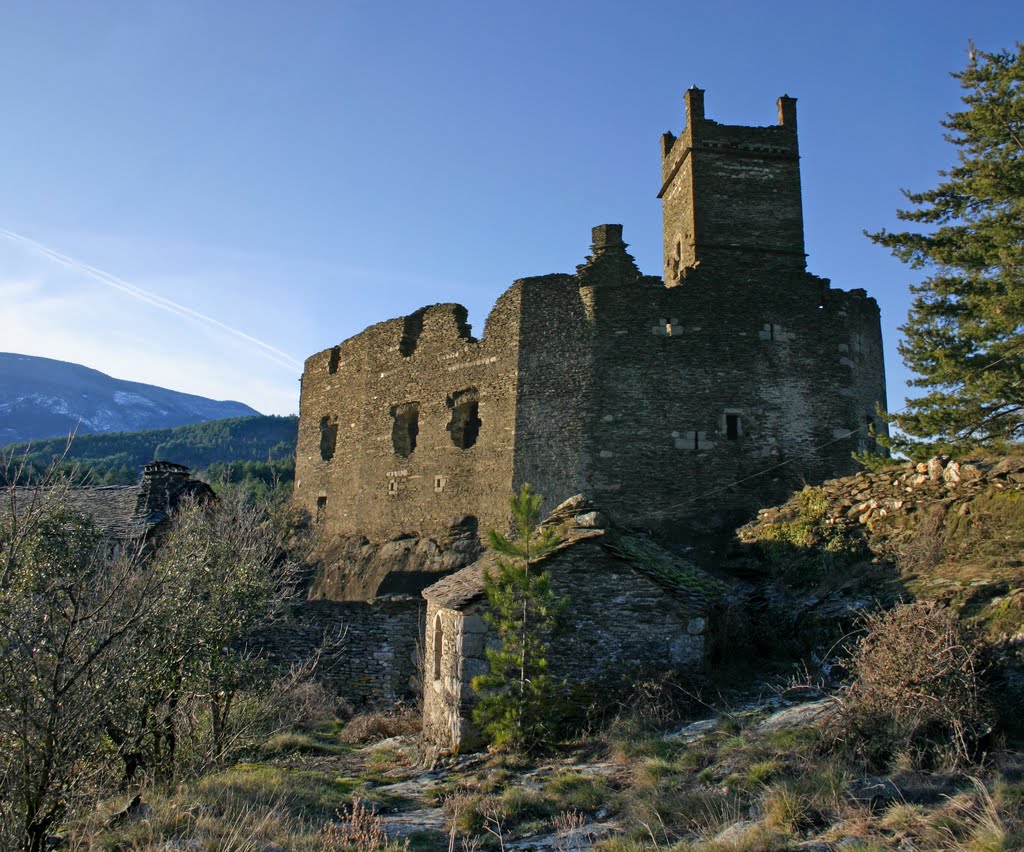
(47, 398)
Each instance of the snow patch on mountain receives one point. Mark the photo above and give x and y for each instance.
(44, 398)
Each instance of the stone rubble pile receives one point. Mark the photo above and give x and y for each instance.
(866, 497)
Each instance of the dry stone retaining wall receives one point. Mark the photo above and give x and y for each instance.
(378, 657)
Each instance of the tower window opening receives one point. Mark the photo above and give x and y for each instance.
(328, 438)
(321, 509)
(732, 427)
(405, 428)
(334, 359)
(464, 425)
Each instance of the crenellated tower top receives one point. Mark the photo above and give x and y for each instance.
(731, 194)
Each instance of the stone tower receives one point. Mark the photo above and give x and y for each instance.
(731, 195)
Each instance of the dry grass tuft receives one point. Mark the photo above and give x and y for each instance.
(377, 725)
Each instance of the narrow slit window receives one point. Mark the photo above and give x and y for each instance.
(321, 509)
(732, 427)
(333, 360)
(438, 646)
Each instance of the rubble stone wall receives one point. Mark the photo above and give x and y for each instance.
(373, 652)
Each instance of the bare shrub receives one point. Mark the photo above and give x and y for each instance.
(924, 549)
(360, 829)
(915, 689)
(376, 725)
(297, 699)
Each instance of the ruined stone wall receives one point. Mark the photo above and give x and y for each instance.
(379, 657)
(556, 379)
(672, 406)
(656, 400)
(358, 467)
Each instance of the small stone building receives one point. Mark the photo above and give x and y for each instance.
(134, 515)
(631, 606)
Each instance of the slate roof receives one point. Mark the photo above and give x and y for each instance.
(462, 587)
(581, 523)
(123, 511)
(111, 507)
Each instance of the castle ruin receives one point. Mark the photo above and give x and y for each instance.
(676, 403)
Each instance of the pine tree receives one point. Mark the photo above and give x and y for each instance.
(964, 335)
(516, 704)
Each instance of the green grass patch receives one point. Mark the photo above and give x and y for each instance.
(308, 792)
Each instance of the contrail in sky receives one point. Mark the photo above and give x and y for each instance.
(271, 352)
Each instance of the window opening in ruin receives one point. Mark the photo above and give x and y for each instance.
(439, 482)
(732, 427)
(696, 440)
(438, 646)
(393, 488)
(332, 362)
(321, 509)
(405, 428)
(464, 426)
(677, 262)
(328, 438)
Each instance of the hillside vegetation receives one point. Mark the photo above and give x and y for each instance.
(943, 531)
(234, 450)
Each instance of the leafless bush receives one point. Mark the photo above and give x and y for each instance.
(915, 689)
(73, 610)
(114, 661)
(924, 549)
(360, 829)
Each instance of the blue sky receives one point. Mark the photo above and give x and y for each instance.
(250, 182)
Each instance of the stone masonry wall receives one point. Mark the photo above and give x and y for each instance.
(357, 480)
(711, 383)
(380, 655)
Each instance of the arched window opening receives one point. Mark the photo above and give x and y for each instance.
(438, 645)
(405, 428)
(464, 426)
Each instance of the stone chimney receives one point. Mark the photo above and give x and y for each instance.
(162, 484)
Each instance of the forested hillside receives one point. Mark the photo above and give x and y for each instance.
(233, 450)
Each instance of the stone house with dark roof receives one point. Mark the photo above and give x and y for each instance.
(632, 606)
(139, 514)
